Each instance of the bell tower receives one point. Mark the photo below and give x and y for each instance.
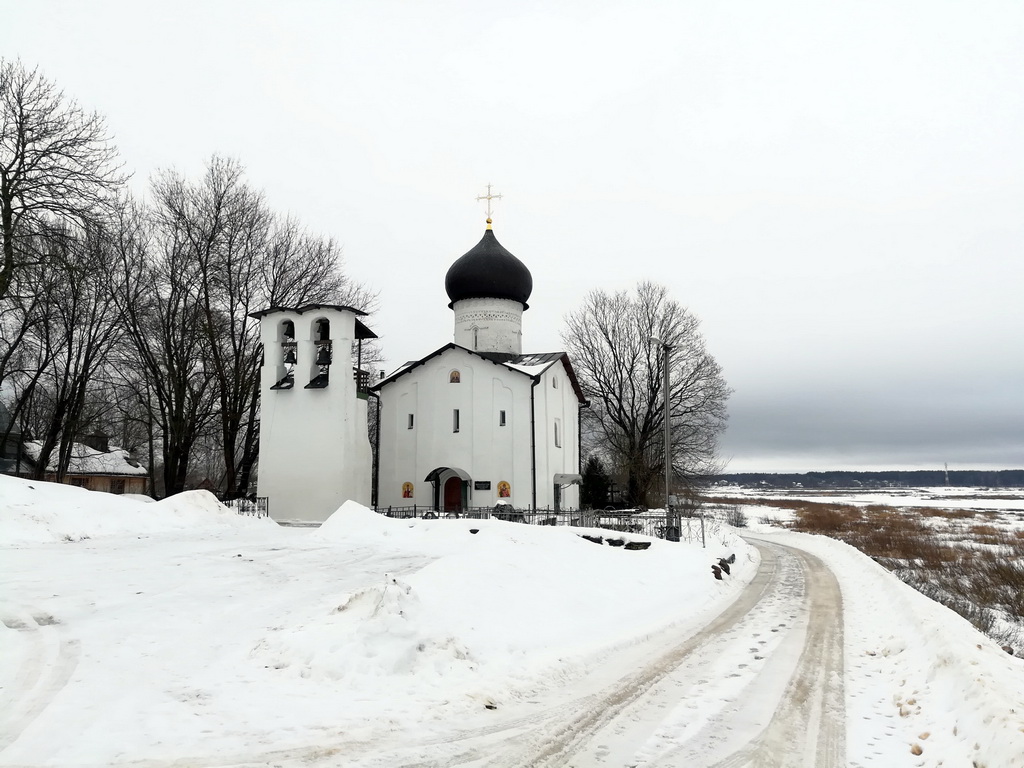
(314, 448)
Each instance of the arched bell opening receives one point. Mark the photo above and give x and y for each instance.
(320, 375)
(288, 355)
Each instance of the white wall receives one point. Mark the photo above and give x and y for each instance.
(556, 400)
(489, 325)
(482, 447)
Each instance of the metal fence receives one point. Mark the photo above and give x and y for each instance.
(688, 525)
(501, 512)
(258, 507)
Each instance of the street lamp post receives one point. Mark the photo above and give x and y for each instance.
(669, 518)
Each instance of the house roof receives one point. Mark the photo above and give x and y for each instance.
(89, 461)
(532, 365)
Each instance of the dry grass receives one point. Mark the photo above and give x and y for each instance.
(977, 570)
(948, 514)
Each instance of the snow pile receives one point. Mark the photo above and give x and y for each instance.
(353, 519)
(495, 606)
(381, 634)
(35, 512)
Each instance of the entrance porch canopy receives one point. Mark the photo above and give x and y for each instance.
(435, 474)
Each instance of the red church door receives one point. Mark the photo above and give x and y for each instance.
(453, 495)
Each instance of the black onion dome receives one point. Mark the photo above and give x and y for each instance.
(488, 271)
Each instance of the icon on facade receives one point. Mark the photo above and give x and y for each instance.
(454, 377)
(504, 490)
(406, 490)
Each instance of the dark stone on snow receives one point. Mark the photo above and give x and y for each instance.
(595, 539)
(717, 571)
(474, 530)
(638, 544)
(616, 542)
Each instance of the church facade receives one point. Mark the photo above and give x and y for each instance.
(476, 422)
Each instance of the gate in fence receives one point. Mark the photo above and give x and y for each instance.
(257, 507)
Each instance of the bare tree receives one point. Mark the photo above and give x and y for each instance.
(56, 160)
(80, 329)
(23, 313)
(609, 340)
(241, 258)
(166, 369)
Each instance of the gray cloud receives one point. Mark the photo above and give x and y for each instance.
(835, 189)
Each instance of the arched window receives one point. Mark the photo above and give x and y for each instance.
(286, 335)
(322, 353)
(286, 362)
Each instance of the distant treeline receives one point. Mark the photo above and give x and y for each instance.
(961, 478)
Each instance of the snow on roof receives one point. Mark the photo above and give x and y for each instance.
(89, 461)
(529, 370)
(531, 364)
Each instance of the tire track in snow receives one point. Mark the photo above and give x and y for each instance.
(48, 663)
(806, 727)
(557, 745)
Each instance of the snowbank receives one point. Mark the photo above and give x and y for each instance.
(952, 693)
(36, 512)
(496, 606)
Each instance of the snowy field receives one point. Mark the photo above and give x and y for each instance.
(1005, 505)
(179, 634)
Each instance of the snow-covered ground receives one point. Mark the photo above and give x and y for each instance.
(177, 633)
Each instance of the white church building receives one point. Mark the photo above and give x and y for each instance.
(477, 422)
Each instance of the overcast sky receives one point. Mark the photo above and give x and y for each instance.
(836, 189)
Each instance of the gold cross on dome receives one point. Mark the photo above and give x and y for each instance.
(488, 197)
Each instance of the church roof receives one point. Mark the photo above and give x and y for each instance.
(532, 365)
(488, 271)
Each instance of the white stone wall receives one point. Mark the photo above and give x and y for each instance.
(314, 449)
(555, 400)
(489, 325)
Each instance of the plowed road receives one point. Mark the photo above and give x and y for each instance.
(780, 645)
(778, 648)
